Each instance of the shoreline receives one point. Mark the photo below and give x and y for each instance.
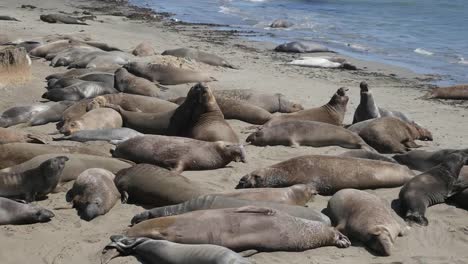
(67, 239)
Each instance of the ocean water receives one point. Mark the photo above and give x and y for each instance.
(426, 36)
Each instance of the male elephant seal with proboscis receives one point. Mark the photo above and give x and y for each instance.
(100, 118)
(179, 154)
(432, 187)
(93, 193)
(166, 74)
(152, 185)
(159, 251)
(306, 133)
(200, 117)
(243, 228)
(332, 113)
(34, 183)
(16, 213)
(364, 217)
(209, 202)
(200, 56)
(389, 134)
(328, 174)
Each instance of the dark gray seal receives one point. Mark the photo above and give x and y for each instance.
(78, 91)
(423, 160)
(16, 213)
(59, 18)
(22, 114)
(113, 135)
(301, 47)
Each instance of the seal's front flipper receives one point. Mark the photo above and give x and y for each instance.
(255, 210)
(108, 254)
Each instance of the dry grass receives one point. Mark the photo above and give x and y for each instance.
(15, 66)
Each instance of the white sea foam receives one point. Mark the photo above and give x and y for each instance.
(462, 61)
(423, 52)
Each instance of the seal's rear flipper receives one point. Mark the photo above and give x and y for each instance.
(248, 253)
(38, 139)
(108, 254)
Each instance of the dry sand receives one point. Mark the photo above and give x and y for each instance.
(67, 239)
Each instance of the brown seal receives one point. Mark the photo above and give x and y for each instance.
(200, 117)
(263, 229)
(152, 185)
(364, 217)
(306, 133)
(178, 153)
(456, 92)
(10, 135)
(144, 49)
(197, 55)
(16, 213)
(332, 113)
(389, 134)
(432, 187)
(93, 193)
(95, 119)
(328, 174)
(34, 183)
(166, 74)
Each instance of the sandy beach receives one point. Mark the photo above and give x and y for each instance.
(68, 239)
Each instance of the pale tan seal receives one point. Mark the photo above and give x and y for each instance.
(95, 119)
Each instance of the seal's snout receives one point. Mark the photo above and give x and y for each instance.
(44, 215)
(250, 138)
(243, 183)
(44, 95)
(342, 91)
(364, 87)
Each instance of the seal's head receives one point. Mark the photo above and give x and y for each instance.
(42, 215)
(70, 127)
(235, 152)
(380, 241)
(54, 166)
(364, 87)
(90, 210)
(257, 138)
(251, 180)
(423, 133)
(287, 106)
(340, 98)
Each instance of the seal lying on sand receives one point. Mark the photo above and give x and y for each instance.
(328, 174)
(432, 187)
(53, 114)
(364, 154)
(22, 114)
(100, 118)
(306, 133)
(59, 18)
(200, 117)
(9, 135)
(200, 56)
(262, 229)
(389, 134)
(457, 92)
(332, 113)
(149, 250)
(152, 185)
(301, 47)
(179, 154)
(93, 193)
(423, 160)
(34, 183)
(16, 213)
(113, 135)
(144, 49)
(79, 91)
(363, 216)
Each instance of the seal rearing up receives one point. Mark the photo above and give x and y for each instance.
(367, 108)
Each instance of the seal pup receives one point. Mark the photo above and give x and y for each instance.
(93, 193)
(364, 217)
(178, 153)
(262, 229)
(166, 74)
(160, 251)
(197, 55)
(389, 134)
(301, 47)
(306, 133)
(152, 185)
(423, 160)
(332, 113)
(100, 118)
(213, 201)
(200, 117)
(456, 92)
(9, 135)
(16, 213)
(144, 49)
(328, 174)
(34, 183)
(432, 187)
(113, 135)
(21, 114)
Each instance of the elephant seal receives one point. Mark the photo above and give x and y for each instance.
(52, 114)
(431, 187)
(78, 91)
(328, 174)
(34, 183)
(113, 135)
(73, 73)
(59, 18)
(271, 102)
(144, 49)
(240, 110)
(456, 92)
(52, 48)
(16, 213)
(179, 154)
(306, 133)
(364, 154)
(263, 229)
(332, 113)
(152, 185)
(281, 23)
(200, 56)
(209, 202)
(9, 135)
(148, 250)
(21, 114)
(76, 164)
(8, 18)
(93, 193)
(200, 117)
(301, 47)
(423, 160)
(367, 108)
(100, 118)
(70, 55)
(364, 217)
(166, 74)
(105, 79)
(389, 134)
